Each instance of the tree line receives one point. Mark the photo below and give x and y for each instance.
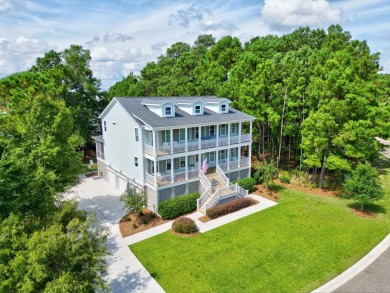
(318, 99)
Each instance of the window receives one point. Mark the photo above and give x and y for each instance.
(223, 108)
(136, 161)
(233, 128)
(222, 155)
(182, 162)
(136, 135)
(212, 157)
(233, 154)
(212, 130)
(169, 165)
(223, 130)
(196, 132)
(182, 135)
(198, 110)
(105, 126)
(168, 111)
(168, 136)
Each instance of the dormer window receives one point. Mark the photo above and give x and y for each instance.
(198, 109)
(168, 111)
(223, 108)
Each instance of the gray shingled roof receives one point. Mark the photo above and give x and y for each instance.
(141, 112)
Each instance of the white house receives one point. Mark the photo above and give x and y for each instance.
(160, 145)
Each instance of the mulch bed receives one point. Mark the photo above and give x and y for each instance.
(205, 219)
(364, 214)
(263, 192)
(126, 227)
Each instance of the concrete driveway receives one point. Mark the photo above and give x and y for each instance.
(125, 272)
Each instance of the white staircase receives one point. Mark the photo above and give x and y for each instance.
(216, 186)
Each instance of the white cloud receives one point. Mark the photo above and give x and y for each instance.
(112, 37)
(281, 14)
(218, 29)
(158, 47)
(185, 17)
(5, 5)
(20, 54)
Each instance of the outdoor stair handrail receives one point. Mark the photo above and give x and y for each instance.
(223, 176)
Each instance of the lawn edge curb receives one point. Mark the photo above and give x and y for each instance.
(356, 268)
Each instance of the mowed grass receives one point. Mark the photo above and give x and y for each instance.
(296, 246)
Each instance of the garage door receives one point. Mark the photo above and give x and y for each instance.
(122, 183)
(111, 178)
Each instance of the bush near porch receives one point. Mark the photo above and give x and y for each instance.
(175, 207)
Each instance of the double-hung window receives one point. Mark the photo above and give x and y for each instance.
(233, 128)
(223, 130)
(136, 161)
(182, 135)
(136, 135)
(198, 110)
(105, 126)
(168, 111)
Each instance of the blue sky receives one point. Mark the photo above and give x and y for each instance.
(123, 35)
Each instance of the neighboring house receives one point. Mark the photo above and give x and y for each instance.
(160, 145)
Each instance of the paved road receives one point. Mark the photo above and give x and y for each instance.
(375, 277)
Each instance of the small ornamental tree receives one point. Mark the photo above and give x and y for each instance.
(266, 173)
(134, 201)
(364, 185)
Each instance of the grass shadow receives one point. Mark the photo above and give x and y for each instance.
(276, 187)
(375, 208)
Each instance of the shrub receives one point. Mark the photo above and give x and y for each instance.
(284, 179)
(174, 207)
(184, 225)
(229, 207)
(147, 218)
(247, 183)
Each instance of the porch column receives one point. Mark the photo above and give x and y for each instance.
(217, 134)
(171, 130)
(186, 139)
(154, 142)
(250, 130)
(228, 133)
(155, 171)
(239, 156)
(172, 172)
(186, 162)
(228, 159)
(239, 131)
(217, 158)
(199, 136)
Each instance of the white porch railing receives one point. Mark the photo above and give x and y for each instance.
(150, 178)
(206, 187)
(241, 191)
(192, 173)
(179, 147)
(234, 139)
(193, 146)
(219, 194)
(209, 143)
(245, 137)
(233, 164)
(223, 141)
(165, 149)
(223, 166)
(223, 176)
(148, 149)
(180, 176)
(244, 161)
(165, 177)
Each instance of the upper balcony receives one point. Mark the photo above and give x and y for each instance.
(187, 139)
(204, 143)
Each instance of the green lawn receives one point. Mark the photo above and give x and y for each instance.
(295, 246)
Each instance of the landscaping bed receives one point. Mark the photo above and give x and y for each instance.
(129, 226)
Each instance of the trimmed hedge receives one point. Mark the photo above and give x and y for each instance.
(174, 207)
(229, 207)
(247, 183)
(184, 225)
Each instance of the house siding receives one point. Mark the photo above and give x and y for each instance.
(120, 146)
